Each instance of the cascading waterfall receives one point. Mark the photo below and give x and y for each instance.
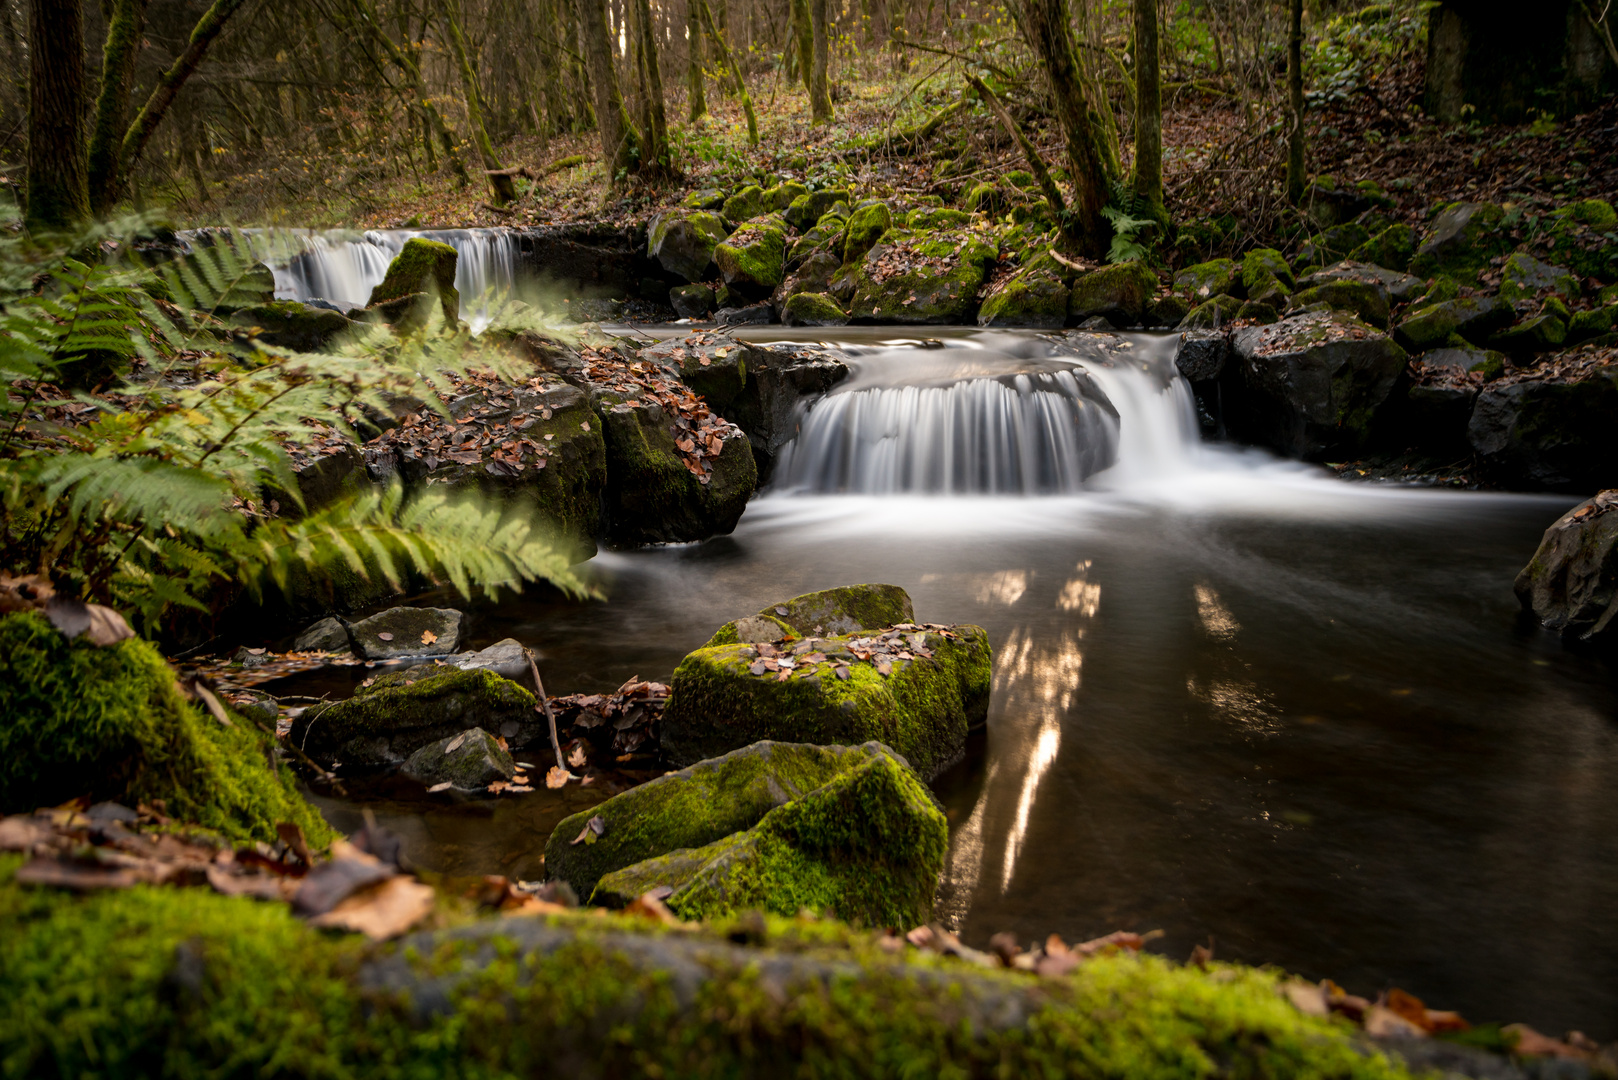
(342, 268)
(972, 419)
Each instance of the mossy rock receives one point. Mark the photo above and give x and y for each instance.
(470, 761)
(1331, 245)
(692, 301)
(866, 847)
(693, 807)
(1558, 432)
(813, 309)
(1472, 317)
(1540, 333)
(1118, 293)
(1204, 281)
(1525, 278)
(1266, 275)
(112, 724)
(185, 982)
(987, 198)
(808, 208)
(1392, 248)
(922, 278)
(1356, 297)
(422, 266)
(1031, 297)
(1167, 310)
(928, 218)
(813, 275)
(826, 235)
(923, 708)
(830, 611)
(288, 324)
(683, 241)
(1258, 311)
(746, 204)
(1022, 179)
(1592, 323)
(783, 195)
(714, 366)
(865, 227)
(403, 711)
(1584, 237)
(753, 258)
(1215, 314)
(704, 199)
(1461, 241)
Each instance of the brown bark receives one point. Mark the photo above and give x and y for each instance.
(657, 134)
(58, 170)
(1148, 109)
(694, 91)
(503, 186)
(819, 87)
(124, 27)
(1036, 164)
(1295, 147)
(620, 141)
(803, 33)
(735, 70)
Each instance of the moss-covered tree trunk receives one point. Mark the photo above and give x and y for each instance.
(504, 188)
(803, 35)
(404, 60)
(620, 142)
(58, 174)
(1295, 148)
(696, 99)
(739, 83)
(1148, 110)
(118, 55)
(657, 133)
(819, 85)
(1045, 25)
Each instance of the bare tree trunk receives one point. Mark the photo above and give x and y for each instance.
(58, 174)
(657, 135)
(124, 28)
(819, 86)
(695, 96)
(620, 142)
(405, 61)
(1295, 147)
(504, 188)
(803, 32)
(735, 72)
(1036, 164)
(1148, 110)
(1044, 24)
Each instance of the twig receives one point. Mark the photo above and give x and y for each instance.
(545, 707)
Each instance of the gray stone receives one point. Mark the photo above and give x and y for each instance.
(683, 241)
(751, 315)
(327, 635)
(506, 658)
(691, 301)
(1550, 429)
(1202, 354)
(1571, 583)
(1396, 287)
(1525, 277)
(411, 631)
(469, 761)
(1472, 317)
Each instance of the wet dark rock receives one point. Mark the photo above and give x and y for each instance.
(778, 378)
(813, 275)
(1166, 311)
(1474, 318)
(1540, 333)
(1571, 583)
(468, 761)
(589, 258)
(287, 324)
(506, 658)
(1359, 298)
(327, 635)
(1553, 427)
(1396, 288)
(1461, 241)
(1438, 407)
(1202, 354)
(408, 630)
(1259, 311)
(691, 301)
(761, 314)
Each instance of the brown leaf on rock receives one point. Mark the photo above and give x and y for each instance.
(649, 906)
(593, 828)
(329, 883)
(1384, 1023)
(381, 911)
(428, 637)
(385, 636)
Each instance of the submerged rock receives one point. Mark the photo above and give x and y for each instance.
(1202, 354)
(470, 761)
(402, 711)
(407, 631)
(1571, 583)
(919, 692)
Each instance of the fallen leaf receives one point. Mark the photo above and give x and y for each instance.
(650, 906)
(575, 757)
(291, 835)
(455, 743)
(1306, 997)
(385, 636)
(428, 637)
(445, 786)
(331, 882)
(61, 874)
(1383, 1023)
(557, 777)
(381, 911)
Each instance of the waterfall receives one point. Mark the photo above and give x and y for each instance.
(342, 268)
(995, 415)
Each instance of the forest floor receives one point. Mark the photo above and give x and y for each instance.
(1215, 161)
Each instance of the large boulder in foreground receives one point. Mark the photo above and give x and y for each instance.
(918, 689)
(842, 610)
(1316, 382)
(867, 847)
(692, 808)
(1571, 583)
(1554, 426)
(403, 711)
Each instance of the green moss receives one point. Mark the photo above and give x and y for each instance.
(1119, 292)
(745, 204)
(112, 724)
(1392, 248)
(986, 198)
(1462, 240)
(808, 208)
(683, 241)
(826, 235)
(1360, 298)
(184, 982)
(923, 709)
(1029, 298)
(813, 309)
(1473, 317)
(422, 266)
(926, 218)
(1212, 315)
(1204, 281)
(694, 807)
(841, 610)
(944, 271)
(865, 226)
(1524, 277)
(783, 195)
(291, 325)
(1595, 213)
(1592, 323)
(753, 258)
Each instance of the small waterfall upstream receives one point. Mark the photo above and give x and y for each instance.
(343, 268)
(995, 414)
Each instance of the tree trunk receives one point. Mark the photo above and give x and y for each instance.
(1148, 110)
(657, 147)
(124, 28)
(405, 62)
(504, 188)
(693, 64)
(58, 173)
(168, 85)
(1044, 24)
(819, 87)
(1295, 148)
(735, 72)
(1036, 164)
(620, 142)
(803, 32)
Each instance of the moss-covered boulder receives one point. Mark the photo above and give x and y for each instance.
(683, 241)
(1214, 314)
(1474, 318)
(421, 267)
(691, 301)
(1571, 583)
(814, 275)
(112, 724)
(1266, 277)
(865, 227)
(746, 204)
(470, 761)
(1034, 296)
(1553, 427)
(783, 195)
(929, 218)
(1165, 311)
(922, 278)
(407, 631)
(1524, 277)
(753, 258)
(1258, 311)
(693, 807)
(1204, 281)
(1540, 333)
(867, 847)
(727, 696)
(402, 711)
(1316, 383)
(1461, 241)
(288, 324)
(656, 493)
(1358, 298)
(830, 611)
(1396, 287)
(712, 365)
(1592, 323)
(1392, 248)
(1584, 237)
(1118, 293)
(825, 237)
(812, 309)
(987, 198)
(808, 208)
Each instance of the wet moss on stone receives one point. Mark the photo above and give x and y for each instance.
(422, 266)
(753, 258)
(1119, 292)
(813, 309)
(865, 227)
(938, 282)
(841, 610)
(1204, 281)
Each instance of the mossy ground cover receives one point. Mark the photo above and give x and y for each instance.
(184, 982)
(112, 724)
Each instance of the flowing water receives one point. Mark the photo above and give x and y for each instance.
(1235, 699)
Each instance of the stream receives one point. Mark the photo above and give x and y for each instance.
(1235, 698)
